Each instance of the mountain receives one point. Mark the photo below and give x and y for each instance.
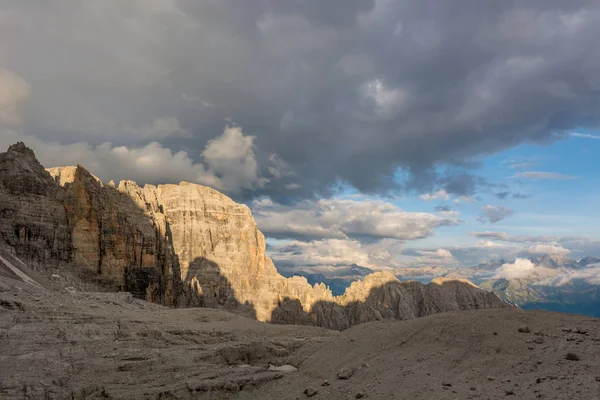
(337, 280)
(516, 291)
(555, 283)
(477, 273)
(184, 245)
(584, 262)
(554, 261)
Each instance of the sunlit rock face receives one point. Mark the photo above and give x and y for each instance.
(119, 235)
(187, 245)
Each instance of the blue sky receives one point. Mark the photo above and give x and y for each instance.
(556, 206)
(561, 204)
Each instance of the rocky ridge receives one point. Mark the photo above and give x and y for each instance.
(186, 245)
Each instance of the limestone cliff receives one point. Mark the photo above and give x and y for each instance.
(33, 222)
(188, 245)
(66, 219)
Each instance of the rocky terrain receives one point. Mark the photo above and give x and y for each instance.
(185, 245)
(66, 344)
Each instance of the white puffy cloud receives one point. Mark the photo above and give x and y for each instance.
(318, 255)
(520, 269)
(543, 276)
(229, 162)
(345, 218)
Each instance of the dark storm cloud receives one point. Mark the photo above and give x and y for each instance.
(353, 91)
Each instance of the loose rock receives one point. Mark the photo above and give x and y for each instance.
(572, 357)
(345, 373)
(283, 368)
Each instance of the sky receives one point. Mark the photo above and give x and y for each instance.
(385, 133)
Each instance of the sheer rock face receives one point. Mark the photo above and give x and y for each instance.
(188, 245)
(119, 235)
(33, 222)
(222, 254)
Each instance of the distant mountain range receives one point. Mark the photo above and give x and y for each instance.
(551, 282)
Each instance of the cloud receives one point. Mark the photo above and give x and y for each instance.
(313, 256)
(542, 175)
(590, 275)
(520, 196)
(522, 165)
(13, 93)
(465, 199)
(438, 257)
(489, 235)
(584, 135)
(159, 128)
(229, 164)
(542, 276)
(345, 218)
(579, 246)
(492, 214)
(440, 194)
(520, 269)
(545, 249)
(360, 91)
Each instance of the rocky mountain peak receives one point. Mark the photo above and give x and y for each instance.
(21, 172)
(21, 148)
(554, 260)
(186, 245)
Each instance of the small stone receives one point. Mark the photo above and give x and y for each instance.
(598, 379)
(572, 357)
(310, 392)
(491, 378)
(447, 384)
(509, 393)
(359, 395)
(524, 329)
(325, 383)
(538, 340)
(538, 380)
(283, 368)
(473, 388)
(345, 373)
(495, 333)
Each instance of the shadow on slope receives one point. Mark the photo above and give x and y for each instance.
(205, 286)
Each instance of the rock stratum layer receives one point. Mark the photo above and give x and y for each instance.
(186, 245)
